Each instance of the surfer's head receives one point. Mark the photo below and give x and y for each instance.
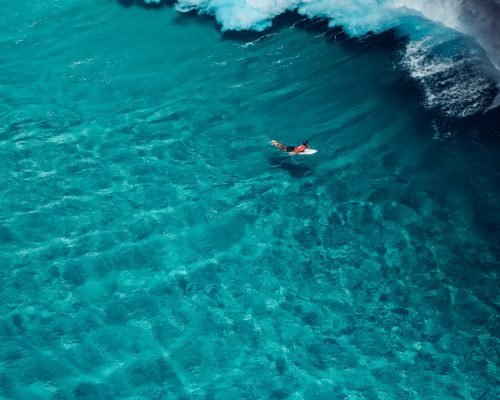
(306, 143)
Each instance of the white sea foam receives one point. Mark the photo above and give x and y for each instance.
(480, 19)
(455, 85)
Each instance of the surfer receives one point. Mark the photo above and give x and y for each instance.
(291, 149)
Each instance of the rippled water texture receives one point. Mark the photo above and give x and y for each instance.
(154, 246)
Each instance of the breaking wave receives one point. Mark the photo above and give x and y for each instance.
(453, 48)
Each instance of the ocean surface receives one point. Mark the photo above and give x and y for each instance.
(153, 245)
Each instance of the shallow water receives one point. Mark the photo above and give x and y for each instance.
(155, 246)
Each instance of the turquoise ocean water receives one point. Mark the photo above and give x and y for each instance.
(154, 246)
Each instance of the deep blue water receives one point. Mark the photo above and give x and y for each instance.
(154, 246)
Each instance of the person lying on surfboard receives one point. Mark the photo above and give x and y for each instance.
(291, 149)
